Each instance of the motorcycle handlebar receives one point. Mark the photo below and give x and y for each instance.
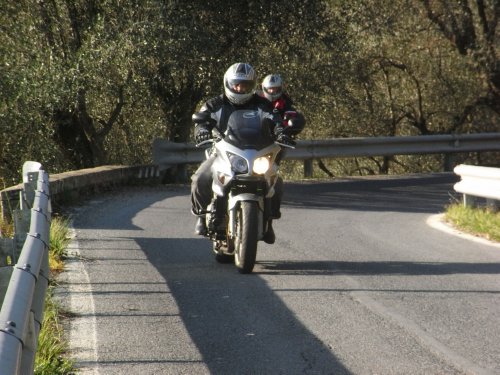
(284, 144)
(205, 142)
(217, 136)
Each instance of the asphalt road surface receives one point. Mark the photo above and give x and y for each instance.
(356, 283)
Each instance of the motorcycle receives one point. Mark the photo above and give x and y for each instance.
(244, 174)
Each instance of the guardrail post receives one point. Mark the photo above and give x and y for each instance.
(30, 181)
(308, 168)
(469, 200)
(448, 162)
(492, 204)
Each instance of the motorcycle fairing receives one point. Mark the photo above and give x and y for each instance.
(223, 173)
(248, 129)
(247, 138)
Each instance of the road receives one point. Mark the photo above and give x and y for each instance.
(356, 283)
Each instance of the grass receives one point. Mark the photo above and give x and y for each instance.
(478, 221)
(6, 229)
(59, 240)
(51, 344)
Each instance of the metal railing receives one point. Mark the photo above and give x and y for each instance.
(478, 181)
(24, 267)
(167, 154)
(22, 309)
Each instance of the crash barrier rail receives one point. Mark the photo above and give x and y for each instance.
(23, 285)
(168, 154)
(476, 181)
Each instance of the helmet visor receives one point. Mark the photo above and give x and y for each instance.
(273, 90)
(241, 86)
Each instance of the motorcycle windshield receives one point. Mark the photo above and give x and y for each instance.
(245, 129)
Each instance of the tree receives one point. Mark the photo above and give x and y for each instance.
(89, 82)
(89, 51)
(471, 28)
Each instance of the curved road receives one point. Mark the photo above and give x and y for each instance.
(356, 283)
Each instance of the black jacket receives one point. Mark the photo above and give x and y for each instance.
(220, 108)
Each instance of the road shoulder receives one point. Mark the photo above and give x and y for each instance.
(438, 222)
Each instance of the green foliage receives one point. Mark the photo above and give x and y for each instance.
(86, 83)
(478, 221)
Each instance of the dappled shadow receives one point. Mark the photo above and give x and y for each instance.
(408, 194)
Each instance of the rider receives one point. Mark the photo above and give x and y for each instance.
(239, 93)
(293, 122)
(273, 91)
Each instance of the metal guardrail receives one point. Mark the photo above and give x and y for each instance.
(21, 314)
(24, 267)
(478, 181)
(167, 154)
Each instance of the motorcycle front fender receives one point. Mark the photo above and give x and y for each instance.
(234, 199)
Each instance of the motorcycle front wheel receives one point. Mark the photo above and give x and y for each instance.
(247, 226)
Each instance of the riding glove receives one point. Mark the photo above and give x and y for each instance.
(285, 139)
(201, 133)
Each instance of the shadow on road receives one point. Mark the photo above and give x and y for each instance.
(397, 195)
(377, 268)
(134, 198)
(237, 323)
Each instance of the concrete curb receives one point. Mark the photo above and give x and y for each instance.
(437, 222)
(72, 184)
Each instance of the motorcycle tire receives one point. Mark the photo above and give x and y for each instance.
(247, 226)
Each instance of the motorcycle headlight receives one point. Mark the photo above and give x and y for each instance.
(238, 164)
(261, 165)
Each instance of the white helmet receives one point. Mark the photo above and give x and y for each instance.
(272, 87)
(239, 83)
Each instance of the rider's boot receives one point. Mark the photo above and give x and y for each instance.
(269, 236)
(201, 226)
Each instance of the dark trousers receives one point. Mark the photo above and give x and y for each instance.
(201, 187)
